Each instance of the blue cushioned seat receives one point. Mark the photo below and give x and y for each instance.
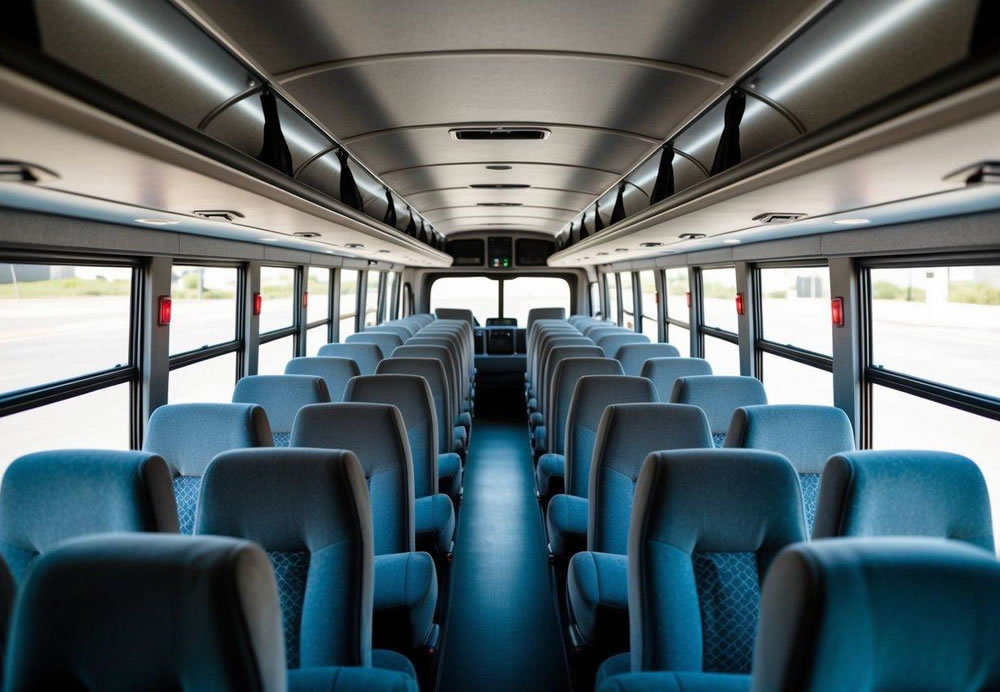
(664, 371)
(401, 330)
(718, 396)
(880, 614)
(674, 682)
(377, 436)
(334, 371)
(627, 434)
(904, 493)
(549, 313)
(343, 679)
(385, 341)
(440, 353)
(366, 355)
(48, 497)
(633, 356)
(7, 592)
(706, 525)
(593, 393)
(120, 612)
(188, 436)
(281, 396)
(806, 435)
(610, 343)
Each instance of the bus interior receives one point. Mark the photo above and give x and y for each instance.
(538, 345)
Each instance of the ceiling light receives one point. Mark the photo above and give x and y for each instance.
(731, 241)
(271, 240)
(498, 167)
(384, 251)
(852, 222)
(498, 186)
(621, 249)
(499, 204)
(157, 222)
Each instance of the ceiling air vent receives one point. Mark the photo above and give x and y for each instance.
(23, 172)
(651, 243)
(499, 134)
(218, 214)
(691, 236)
(306, 234)
(499, 204)
(778, 217)
(982, 172)
(499, 186)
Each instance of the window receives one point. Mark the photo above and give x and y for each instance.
(318, 310)
(70, 324)
(476, 293)
(932, 377)
(273, 356)
(203, 333)
(628, 300)
(371, 297)
(595, 299)
(613, 315)
(719, 325)
(523, 293)
(678, 314)
(348, 302)
(279, 317)
(650, 313)
(796, 342)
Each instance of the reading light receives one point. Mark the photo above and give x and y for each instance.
(837, 311)
(157, 222)
(165, 308)
(258, 301)
(731, 241)
(851, 222)
(739, 304)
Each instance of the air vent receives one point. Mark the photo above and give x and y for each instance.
(306, 234)
(218, 214)
(651, 244)
(499, 134)
(499, 186)
(691, 236)
(982, 172)
(779, 217)
(23, 172)
(499, 204)
(354, 246)
(498, 167)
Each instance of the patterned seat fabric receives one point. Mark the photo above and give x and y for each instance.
(281, 396)
(729, 600)
(291, 571)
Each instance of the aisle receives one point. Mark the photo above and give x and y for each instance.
(503, 630)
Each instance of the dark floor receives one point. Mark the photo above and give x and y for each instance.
(503, 630)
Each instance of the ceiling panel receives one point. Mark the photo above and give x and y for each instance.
(464, 197)
(410, 181)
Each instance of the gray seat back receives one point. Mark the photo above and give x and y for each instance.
(433, 372)
(634, 355)
(904, 493)
(309, 510)
(442, 355)
(366, 355)
(334, 371)
(384, 340)
(664, 371)
(592, 395)
(564, 378)
(129, 612)
(627, 434)
(48, 497)
(412, 396)
(553, 357)
(377, 436)
(718, 396)
(544, 314)
(281, 396)
(610, 343)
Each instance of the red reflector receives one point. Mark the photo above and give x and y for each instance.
(305, 299)
(166, 307)
(739, 303)
(257, 302)
(687, 297)
(837, 311)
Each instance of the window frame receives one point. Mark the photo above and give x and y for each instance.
(328, 320)
(655, 318)
(698, 292)
(868, 375)
(357, 298)
(28, 398)
(665, 300)
(761, 345)
(293, 331)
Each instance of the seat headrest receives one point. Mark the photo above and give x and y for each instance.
(806, 435)
(454, 314)
(366, 355)
(48, 497)
(594, 393)
(904, 493)
(188, 436)
(377, 436)
(148, 611)
(721, 500)
(386, 341)
(718, 396)
(440, 353)
(610, 343)
(664, 371)
(545, 314)
(431, 369)
(334, 371)
(281, 396)
(880, 614)
(634, 355)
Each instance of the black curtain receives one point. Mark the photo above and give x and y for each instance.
(583, 226)
(349, 193)
(422, 236)
(985, 40)
(411, 226)
(598, 221)
(618, 213)
(390, 212)
(19, 21)
(664, 185)
(274, 150)
(728, 154)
